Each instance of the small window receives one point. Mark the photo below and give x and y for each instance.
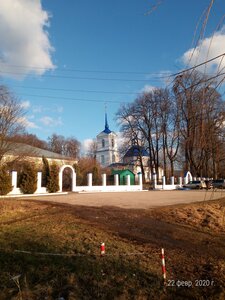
(113, 158)
(102, 159)
(103, 143)
(112, 142)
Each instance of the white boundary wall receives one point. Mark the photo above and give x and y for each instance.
(167, 187)
(172, 185)
(89, 188)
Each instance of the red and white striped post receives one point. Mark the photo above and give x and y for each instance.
(102, 249)
(163, 266)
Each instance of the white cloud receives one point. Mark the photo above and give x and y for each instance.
(85, 145)
(25, 104)
(24, 39)
(58, 108)
(120, 139)
(37, 109)
(208, 48)
(51, 122)
(147, 89)
(28, 124)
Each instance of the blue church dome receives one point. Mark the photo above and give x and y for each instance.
(106, 130)
(136, 151)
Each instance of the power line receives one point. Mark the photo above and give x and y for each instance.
(85, 78)
(157, 75)
(88, 71)
(114, 101)
(75, 90)
(75, 99)
(199, 65)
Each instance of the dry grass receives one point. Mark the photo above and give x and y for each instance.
(208, 215)
(51, 228)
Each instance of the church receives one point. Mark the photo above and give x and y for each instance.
(107, 152)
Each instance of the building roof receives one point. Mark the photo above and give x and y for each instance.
(27, 150)
(136, 151)
(106, 130)
(121, 172)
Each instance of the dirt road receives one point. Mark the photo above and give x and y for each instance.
(135, 200)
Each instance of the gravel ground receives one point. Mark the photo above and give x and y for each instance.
(136, 200)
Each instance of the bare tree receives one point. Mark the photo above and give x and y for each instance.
(169, 115)
(71, 147)
(56, 143)
(131, 133)
(30, 139)
(11, 119)
(201, 120)
(65, 146)
(92, 149)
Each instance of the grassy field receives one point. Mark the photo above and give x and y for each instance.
(55, 251)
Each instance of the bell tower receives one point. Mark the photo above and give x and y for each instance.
(107, 152)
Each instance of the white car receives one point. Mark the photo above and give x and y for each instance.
(195, 184)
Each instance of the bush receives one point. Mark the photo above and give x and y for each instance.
(45, 171)
(96, 177)
(5, 181)
(53, 179)
(28, 179)
(87, 165)
(79, 175)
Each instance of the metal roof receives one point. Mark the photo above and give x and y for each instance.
(136, 151)
(27, 150)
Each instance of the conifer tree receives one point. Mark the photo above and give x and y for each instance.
(28, 179)
(95, 175)
(79, 176)
(45, 171)
(5, 181)
(53, 179)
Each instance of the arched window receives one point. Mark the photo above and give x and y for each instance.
(103, 143)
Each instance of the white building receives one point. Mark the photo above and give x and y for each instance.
(108, 156)
(132, 159)
(107, 152)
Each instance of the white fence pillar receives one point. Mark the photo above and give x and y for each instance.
(89, 179)
(154, 180)
(103, 179)
(180, 181)
(116, 179)
(74, 182)
(60, 181)
(15, 190)
(140, 179)
(128, 180)
(39, 179)
(14, 180)
(163, 181)
(172, 180)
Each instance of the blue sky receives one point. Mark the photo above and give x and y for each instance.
(66, 59)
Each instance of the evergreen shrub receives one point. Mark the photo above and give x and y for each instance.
(28, 179)
(5, 181)
(45, 171)
(53, 179)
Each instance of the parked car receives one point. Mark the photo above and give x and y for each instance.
(208, 184)
(195, 184)
(218, 183)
